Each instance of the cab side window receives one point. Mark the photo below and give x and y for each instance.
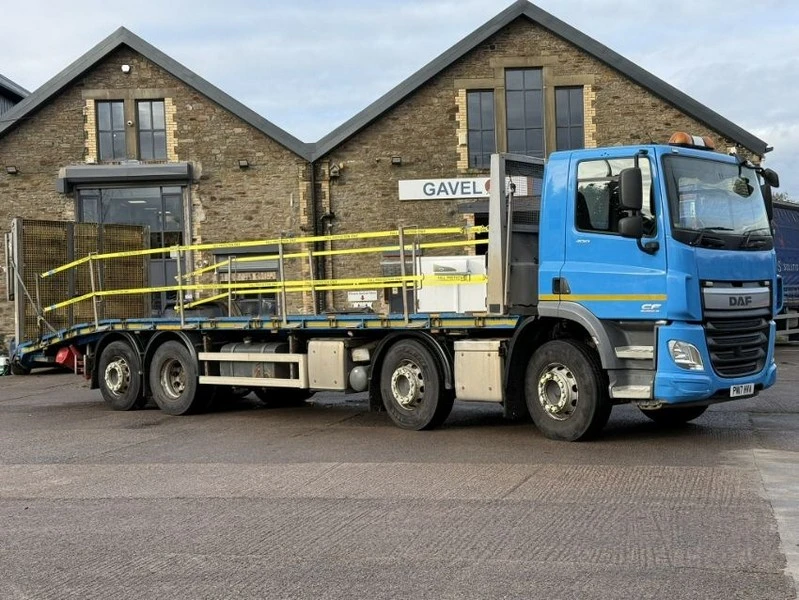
(597, 207)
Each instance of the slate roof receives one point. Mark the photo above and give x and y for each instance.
(12, 90)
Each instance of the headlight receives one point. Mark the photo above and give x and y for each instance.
(686, 355)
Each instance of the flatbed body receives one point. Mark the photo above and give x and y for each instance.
(331, 323)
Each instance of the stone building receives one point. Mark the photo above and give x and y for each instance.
(127, 135)
(126, 128)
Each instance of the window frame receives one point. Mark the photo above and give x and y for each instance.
(484, 96)
(528, 116)
(151, 131)
(100, 132)
(570, 126)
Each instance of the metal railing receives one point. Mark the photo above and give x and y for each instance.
(203, 292)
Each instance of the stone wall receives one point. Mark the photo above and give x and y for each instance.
(227, 203)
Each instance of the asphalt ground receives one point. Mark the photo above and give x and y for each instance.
(330, 501)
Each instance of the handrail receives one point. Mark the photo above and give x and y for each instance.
(282, 286)
(341, 252)
(270, 242)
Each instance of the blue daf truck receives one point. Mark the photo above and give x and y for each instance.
(642, 274)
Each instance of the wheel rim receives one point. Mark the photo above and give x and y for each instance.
(173, 378)
(557, 392)
(407, 384)
(117, 376)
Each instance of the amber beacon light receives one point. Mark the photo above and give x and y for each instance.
(680, 138)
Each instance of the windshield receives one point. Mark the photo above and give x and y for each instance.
(712, 198)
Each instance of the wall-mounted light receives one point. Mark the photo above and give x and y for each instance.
(12, 170)
(335, 170)
(125, 69)
(244, 163)
(396, 160)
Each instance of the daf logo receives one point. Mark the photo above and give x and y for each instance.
(740, 300)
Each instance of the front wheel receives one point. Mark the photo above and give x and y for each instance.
(675, 416)
(412, 387)
(566, 391)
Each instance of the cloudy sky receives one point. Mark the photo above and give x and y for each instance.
(309, 65)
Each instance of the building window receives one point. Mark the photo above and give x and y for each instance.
(158, 208)
(111, 130)
(569, 118)
(152, 130)
(524, 98)
(480, 122)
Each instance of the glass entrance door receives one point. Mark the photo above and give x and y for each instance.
(161, 209)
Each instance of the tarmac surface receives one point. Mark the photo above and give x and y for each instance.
(330, 501)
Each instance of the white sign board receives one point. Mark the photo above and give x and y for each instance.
(443, 189)
(460, 187)
(362, 298)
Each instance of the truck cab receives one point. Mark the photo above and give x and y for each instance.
(665, 255)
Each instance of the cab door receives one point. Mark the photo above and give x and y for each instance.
(606, 273)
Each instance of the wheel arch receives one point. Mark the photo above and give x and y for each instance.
(533, 333)
(596, 333)
(440, 354)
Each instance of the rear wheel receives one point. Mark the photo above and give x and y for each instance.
(119, 376)
(566, 391)
(412, 387)
(671, 417)
(174, 383)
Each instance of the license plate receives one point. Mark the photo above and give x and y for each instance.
(745, 389)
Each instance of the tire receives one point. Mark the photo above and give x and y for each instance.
(673, 417)
(18, 369)
(281, 397)
(567, 391)
(412, 387)
(119, 376)
(174, 383)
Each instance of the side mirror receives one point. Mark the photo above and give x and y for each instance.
(770, 176)
(632, 227)
(631, 189)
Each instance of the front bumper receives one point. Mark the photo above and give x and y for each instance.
(676, 385)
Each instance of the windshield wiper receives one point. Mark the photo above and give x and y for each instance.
(745, 243)
(709, 240)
